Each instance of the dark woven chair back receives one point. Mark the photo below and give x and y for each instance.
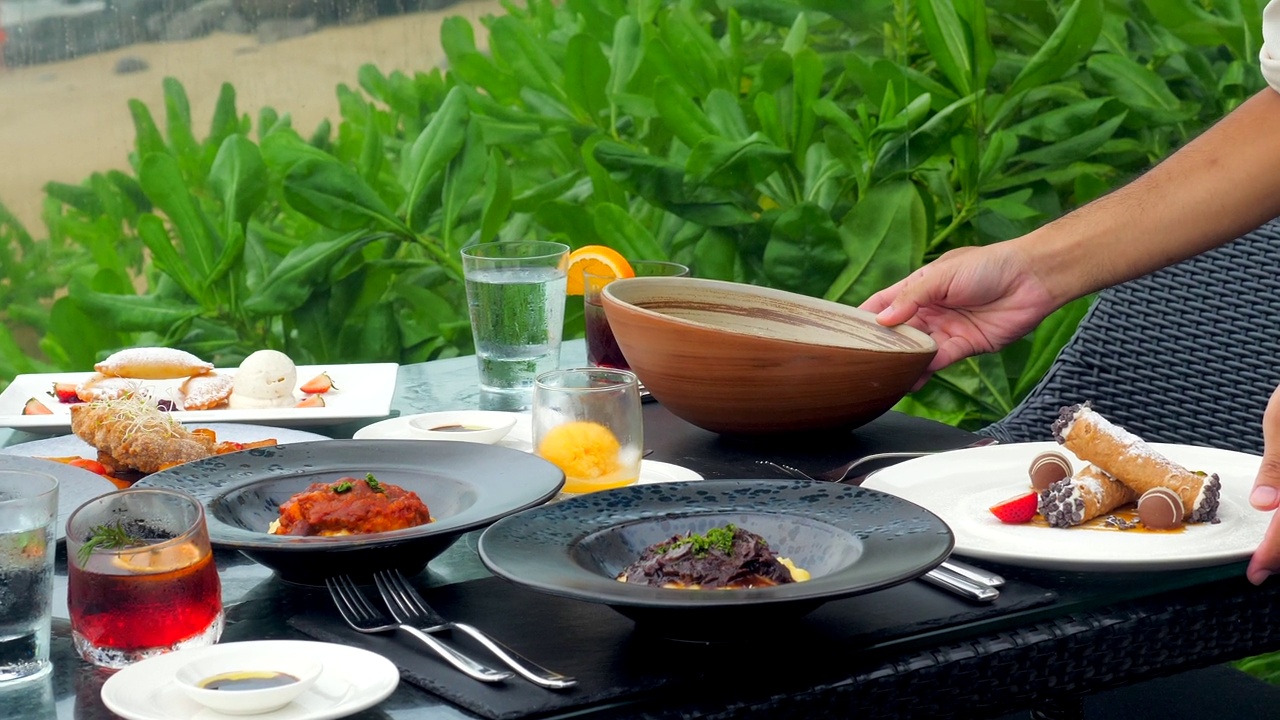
(1188, 354)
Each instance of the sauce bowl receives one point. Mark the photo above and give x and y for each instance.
(296, 673)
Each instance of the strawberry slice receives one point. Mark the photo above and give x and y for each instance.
(313, 401)
(1017, 509)
(319, 385)
(35, 407)
(65, 392)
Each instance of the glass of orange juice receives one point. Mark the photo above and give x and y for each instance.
(587, 422)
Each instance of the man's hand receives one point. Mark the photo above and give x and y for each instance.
(1266, 495)
(971, 300)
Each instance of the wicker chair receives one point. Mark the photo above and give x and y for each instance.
(1188, 354)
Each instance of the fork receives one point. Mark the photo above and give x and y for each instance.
(407, 606)
(364, 617)
(838, 474)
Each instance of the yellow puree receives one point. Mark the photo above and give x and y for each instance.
(588, 453)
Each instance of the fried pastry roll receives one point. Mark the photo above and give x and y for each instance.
(1129, 459)
(1088, 494)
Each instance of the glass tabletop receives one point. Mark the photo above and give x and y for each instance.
(258, 605)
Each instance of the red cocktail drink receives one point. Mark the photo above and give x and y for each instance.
(141, 578)
(602, 348)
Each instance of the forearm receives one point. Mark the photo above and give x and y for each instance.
(1217, 187)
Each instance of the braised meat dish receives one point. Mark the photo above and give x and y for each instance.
(350, 506)
(724, 558)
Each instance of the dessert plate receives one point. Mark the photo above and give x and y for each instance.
(360, 391)
(352, 680)
(69, 445)
(960, 485)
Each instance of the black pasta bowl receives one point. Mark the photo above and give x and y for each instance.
(465, 486)
(852, 540)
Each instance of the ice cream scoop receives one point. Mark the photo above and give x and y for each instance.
(266, 379)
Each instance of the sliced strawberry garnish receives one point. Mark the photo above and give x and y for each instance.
(313, 401)
(65, 392)
(319, 385)
(1017, 509)
(35, 407)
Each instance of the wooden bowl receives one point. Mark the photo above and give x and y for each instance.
(745, 360)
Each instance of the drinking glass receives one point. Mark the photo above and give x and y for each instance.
(587, 422)
(515, 294)
(602, 349)
(28, 511)
(141, 578)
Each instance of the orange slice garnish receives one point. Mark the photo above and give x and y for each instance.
(597, 260)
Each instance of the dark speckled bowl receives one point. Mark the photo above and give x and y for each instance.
(465, 486)
(853, 540)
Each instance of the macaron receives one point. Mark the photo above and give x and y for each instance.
(1160, 509)
(1048, 468)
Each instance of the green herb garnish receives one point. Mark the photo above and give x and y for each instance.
(716, 538)
(374, 485)
(342, 487)
(108, 536)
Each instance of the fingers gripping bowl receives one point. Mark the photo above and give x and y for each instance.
(740, 359)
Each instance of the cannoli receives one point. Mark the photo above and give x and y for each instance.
(1129, 459)
(1083, 497)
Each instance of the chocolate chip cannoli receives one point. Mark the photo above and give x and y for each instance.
(1083, 497)
(1129, 459)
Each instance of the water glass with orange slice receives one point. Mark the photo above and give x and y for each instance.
(597, 266)
(141, 578)
(587, 422)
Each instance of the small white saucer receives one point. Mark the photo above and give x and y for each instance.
(495, 426)
(352, 680)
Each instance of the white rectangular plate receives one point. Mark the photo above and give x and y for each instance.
(360, 391)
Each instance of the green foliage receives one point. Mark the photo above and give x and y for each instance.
(821, 147)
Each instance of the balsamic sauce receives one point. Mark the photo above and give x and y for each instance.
(248, 680)
(458, 428)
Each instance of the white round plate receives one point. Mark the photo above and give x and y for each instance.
(352, 680)
(69, 445)
(499, 424)
(521, 438)
(959, 486)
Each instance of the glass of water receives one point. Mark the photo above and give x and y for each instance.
(515, 294)
(28, 511)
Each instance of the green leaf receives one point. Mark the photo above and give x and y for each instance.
(948, 42)
(1049, 337)
(497, 196)
(619, 229)
(461, 182)
(883, 237)
(239, 177)
(163, 182)
(178, 123)
(682, 115)
(297, 276)
(514, 44)
(431, 152)
(129, 312)
(1140, 88)
(165, 256)
(226, 120)
(147, 139)
(719, 162)
(807, 78)
(335, 196)
(804, 253)
(625, 55)
(1071, 40)
(586, 76)
(1077, 148)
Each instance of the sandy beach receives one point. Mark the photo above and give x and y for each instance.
(63, 121)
